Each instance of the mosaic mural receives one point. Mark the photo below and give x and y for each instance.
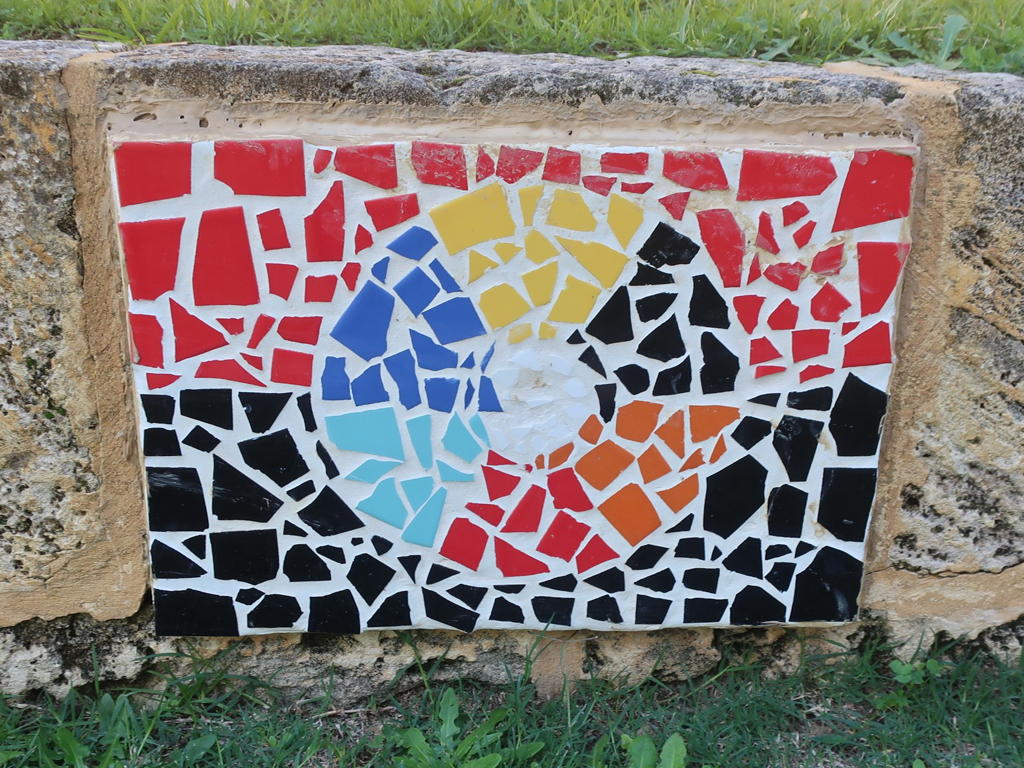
(458, 386)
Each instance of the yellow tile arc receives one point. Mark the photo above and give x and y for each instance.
(506, 251)
(478, 264)
(575, 301)
(624, 218)
(547, 331)
(604, 263)
(473, 218)
(502, 305)
(538, 248)
(528, 199)
(570, 211)
(540, 283)
(520, 333)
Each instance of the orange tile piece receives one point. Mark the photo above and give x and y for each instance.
(653, 465)
(696, 459)
(540, 461)
(632, 513)
(560, 455)
(678, 496)
(601, 465)
(591, 430)
(637, 420)
(673, 432)
(708, 420)
(716, 454)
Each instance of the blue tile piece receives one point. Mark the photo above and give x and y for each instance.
(380, 269)
(372, 470)
(459, 440)
(431, 355)
(416, 290)
(487, 359)
(450, 474)
(454, 320)
(441, 394)
(414, 243)
(368, 388)
(334, 381)
(470, 391)
(402, 368)
(417, 490)
(487, 400)
(444, 277)
(423, 528)
(477, 425)
(385, 504)
(374, 432)
(419, 434)
(469, 362)
(363, 326)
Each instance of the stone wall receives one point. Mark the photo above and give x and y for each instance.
(947, 545)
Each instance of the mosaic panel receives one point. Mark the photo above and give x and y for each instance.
(493, 386)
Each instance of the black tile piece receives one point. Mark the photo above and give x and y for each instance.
(262, 408)
(471, 596)
(507, 611)
(796, 442)
(604, 608)
(606, 400)
(707, 307)
(248, 596)
(646, 275)
(682, 526)
(646, 557)
(275, 455)
(191, 612)
(634, 378)
(613, 322)
(652, 307)
(306, 409)
(274, 611)
(715, 554)
(291, 529)
(691, 549)
(662, 581)
(827, 589)
(856, 421)
(613, 580)
(666, 246)
(701, 579)
(651, 610)
(675, 380)
(302, 490)
(846, 496)
(201, 440)
(249, 556)
(664, 343)
(212, 406)
(356, 541)
(440, 573)
(325, 458)
(369, 576)
(381, 545)
(302, 564)
(445, 611)
(169, 563)
(393, 612)
(803, 548)
(337, 554)
(576, 338)
(718, 374)
(510, 589)
(176, 499)
(236, 496)
(160, 442)
(553, 610)
(703, 610)
(773, 551)
(818, 399)
(786, 506)
(328, 515)
(751, 431)
(755, 606)
(336, 614)
(746, 558)
(590, 359)
(732, 495)
(771, 399)
(196, 545)
(159, 409)
(565, 583)
(781, 575)
(411, 564)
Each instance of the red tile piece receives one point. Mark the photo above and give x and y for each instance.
(389, 211)
(320, 289)
(812, 342)
(562, 166)
(442, 165)
(748, 310)
(525, 518)
(514, 563)
(325, 227)
(281, 278)
(877, 188)
(223, 272)
(465, 543)
(288, 367)
(803, 235)
(637, 187)
(260, 329)
(815, 372)
(160, 380)
(878, 266)
(755, 269)
(484, 165)
(272, 230)
(254, 360)
(766, 234)
(829, 261)
(624, 162)
(695, 170)
(784, 317)
(515, 163)
(767, 370)
(786, 274)
(499, 484)
(321, 159)
(227, 370)
(148, 340)
(375, 164)
(233, 325)
(872, 347)
(762, 350)
(563, 537)
(151, 256)
(152, 170)
(593, 554)
(492, 513)
(602, 185)
(847, 327)
(793, 212)
(350, 274)
(566, 491)
(770, 175)
(725, 243)
(261, 166)
(302, 330)
(191, 335)
(675, 204)
(363, 238)
(496, 459)
(828, 304)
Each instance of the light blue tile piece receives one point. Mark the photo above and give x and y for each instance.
(418, 490)
(477, 425)
(371, 471)
(469, 362)
(375, 432)
(385, 504)
(380, 269)
(423, 528)
(487, 359)
(419, 433)
(450, 474)
(459, 440)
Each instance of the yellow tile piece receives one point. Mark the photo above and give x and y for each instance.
(570, 211)
(520, 333)
(538, 248)
(625, 218)
(547, 331)
(528, 199)
(502, 305)
(478, 264)
(473, 218)
(604, 263)
(540, 283)
(575, 302)
(507, 250)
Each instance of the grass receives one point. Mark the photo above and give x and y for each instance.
(952, 708)
(986, 35)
